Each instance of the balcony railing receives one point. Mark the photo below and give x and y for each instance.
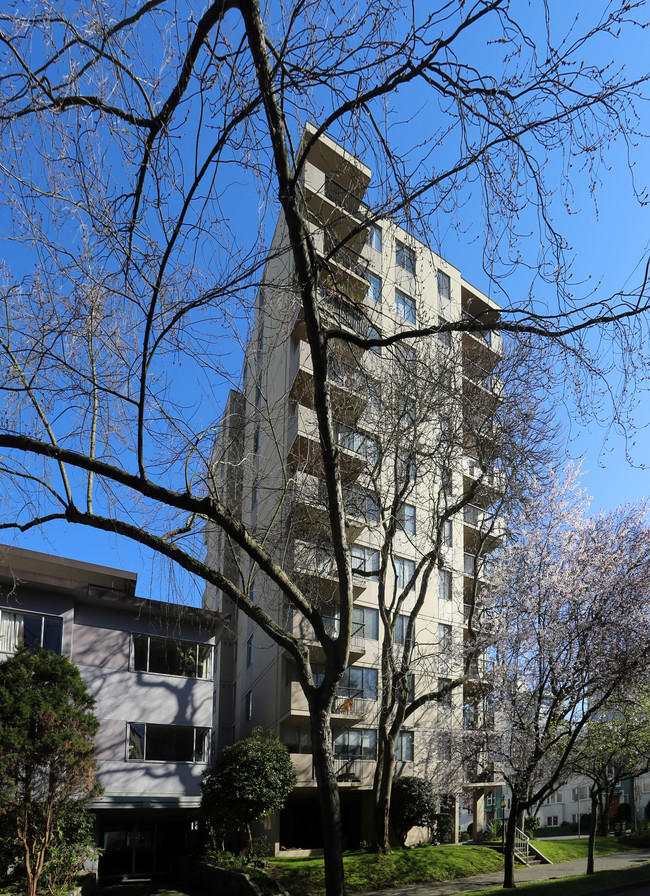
(346, 376)
(350, 704)
(343, 313)
(485, 336)
(346, 257)
(340, 195)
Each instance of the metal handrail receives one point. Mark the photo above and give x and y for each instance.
(522, 844)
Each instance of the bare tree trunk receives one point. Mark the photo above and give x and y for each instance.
(509, 849)
(593, 827)
(382, 787)
(328, 795)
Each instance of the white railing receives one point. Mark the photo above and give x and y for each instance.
(522, 844)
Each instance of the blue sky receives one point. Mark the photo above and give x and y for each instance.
(609, 236)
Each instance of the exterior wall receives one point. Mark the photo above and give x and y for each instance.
(277, 462)
(97, 633)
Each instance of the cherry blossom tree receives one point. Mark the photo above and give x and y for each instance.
(570, 592)
(614, 745)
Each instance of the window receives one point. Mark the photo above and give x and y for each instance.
(447, 534)
(404, 257)
(373, 237)
(551, 821)
(365, 560)
(445, 335)
(444, 746)
(30, 630)
(254, 497)
(249, 651)
(296, 738)
(167, 743)
(358, 442)
(366, 622)
(445, 700)
(374, 288)
(256, 440)
(580, 793)
(404, 747)
(248, 706)
(404, 571)
(358, 681)
(444, 636)
(374, 333)
(361, 504)
(407, 518)
(399, 635)
(404, 306)
(444, 286)
(356, 743)
(168, 656)
(444, 584)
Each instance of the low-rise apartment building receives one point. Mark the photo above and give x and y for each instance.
(150, 666)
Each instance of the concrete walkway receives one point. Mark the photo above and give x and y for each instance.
(618, 860)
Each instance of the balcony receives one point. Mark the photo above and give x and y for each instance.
(350, 707)
(304, 449)
(310, 506)
(301, 628)
(315, 566)
(479, 376)
(348, 384)
(474, 565)
(491, 476)
(337, 311)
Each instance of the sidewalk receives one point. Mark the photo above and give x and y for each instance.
(618, 860)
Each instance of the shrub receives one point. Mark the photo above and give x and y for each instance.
(531, 823)
(412, 804)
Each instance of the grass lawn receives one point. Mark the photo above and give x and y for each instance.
(576, 885)
(366, 871)
(566, 850)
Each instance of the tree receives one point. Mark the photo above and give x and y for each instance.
(571, 595)
(248, 781)
(413, 804)
(47, 763)
(614, 745)
(131, 289)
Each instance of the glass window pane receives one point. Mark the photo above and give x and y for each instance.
(136, 741)
(140, 644)
(52, 633)
(201, 741)
(205, 661)
(32, 627)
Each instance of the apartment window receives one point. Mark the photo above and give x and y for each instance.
(404, 306)
(444, 637)
(254, 497)
(248, 706)
(361, 504)
(167, 743)
(447, 534)
(256, 440)
(358, 681)
(444, 584)
(374, 288)
(366, 622)
(445, 700)
(444, 746)
(260, 343)
(374, 333)
(404, 571)
(580, 793)
(551, 821)
(258, 396)
(30, 630)
(373, 237)
(365, 560)
(399, 635)
(358, 442)
(407, 518)
(169, 656)
(249, 651)
(356, 743)
(404, 747)
(296, 738)
(444, 286)
(444, 336)
(404, 257)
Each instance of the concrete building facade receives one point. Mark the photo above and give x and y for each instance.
(376, 279)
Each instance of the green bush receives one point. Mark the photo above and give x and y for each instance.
(531, 823)
(442, 827)
(412, 804)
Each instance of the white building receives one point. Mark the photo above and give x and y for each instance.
(267, 459)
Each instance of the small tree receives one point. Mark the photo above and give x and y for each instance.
(47, 763)
(248, 781)
(413, 803)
